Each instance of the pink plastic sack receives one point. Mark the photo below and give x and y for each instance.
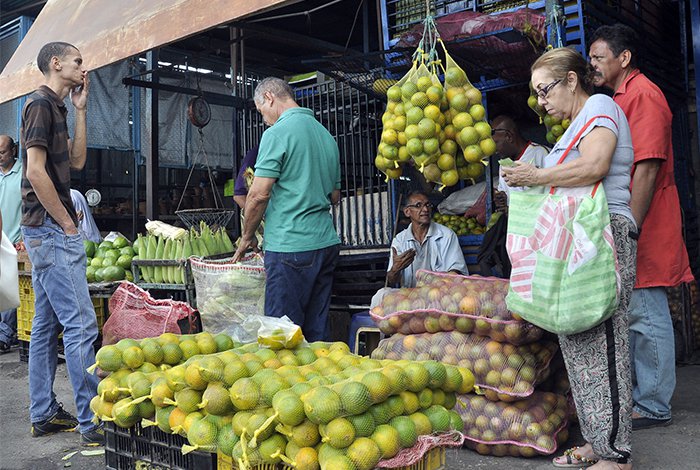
(451, 302)
(503, 372)
(133, 313)
(522, 429)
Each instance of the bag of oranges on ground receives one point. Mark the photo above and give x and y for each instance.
(452, 302)
(526, 428)
(501, 371)
(466, 117)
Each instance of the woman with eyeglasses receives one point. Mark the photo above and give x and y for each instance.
(597, 360)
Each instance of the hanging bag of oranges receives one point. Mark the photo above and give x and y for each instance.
(466, 118)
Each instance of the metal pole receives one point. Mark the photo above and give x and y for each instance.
(556, 27)
(152, 162)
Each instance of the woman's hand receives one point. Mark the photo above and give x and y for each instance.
(521, 174)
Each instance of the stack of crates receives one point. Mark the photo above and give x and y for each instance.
(25, 314)
(139, 447)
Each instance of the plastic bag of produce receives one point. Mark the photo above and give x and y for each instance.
(501, 371)
(133, 313)
(228, 293)
(271, 332)
(452, 302)
(522, 429)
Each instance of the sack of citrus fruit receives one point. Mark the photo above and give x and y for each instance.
(392, 153)
(503, 372)
(466, 118)
(452, 302)
(529, 427)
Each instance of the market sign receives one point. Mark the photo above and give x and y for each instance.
(106, 31)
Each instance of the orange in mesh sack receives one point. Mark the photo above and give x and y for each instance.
(501, 371)
(133, 313)
(452, 302)
(529, 427)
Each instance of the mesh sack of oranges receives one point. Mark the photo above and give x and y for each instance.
(452, 302)
(392, 153)
(503, 372)
(555, 126)
(536, 425)
(466, 118)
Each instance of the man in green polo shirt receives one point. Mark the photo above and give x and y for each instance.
(297, 178)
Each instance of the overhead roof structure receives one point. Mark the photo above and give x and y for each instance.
(106, 31)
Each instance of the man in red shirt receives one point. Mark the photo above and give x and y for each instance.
(662, 259)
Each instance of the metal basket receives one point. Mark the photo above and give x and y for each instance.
(214, 218)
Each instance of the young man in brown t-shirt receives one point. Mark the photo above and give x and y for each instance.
(55, 246)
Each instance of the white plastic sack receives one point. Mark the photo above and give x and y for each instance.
(460, 201)
(228, 293)
(9, 280)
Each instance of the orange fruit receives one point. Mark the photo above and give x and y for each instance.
(414, 115)
(446, 162)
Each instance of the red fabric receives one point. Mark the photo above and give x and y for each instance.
(133, 313)
(662, 259)
(489, 52)
(478, 210)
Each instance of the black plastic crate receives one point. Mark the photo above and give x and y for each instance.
(137, 447)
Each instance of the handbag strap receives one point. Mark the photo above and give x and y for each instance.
(573, 142)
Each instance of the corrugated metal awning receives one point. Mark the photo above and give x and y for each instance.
(106, 31)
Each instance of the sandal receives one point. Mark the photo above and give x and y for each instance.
(573, 460)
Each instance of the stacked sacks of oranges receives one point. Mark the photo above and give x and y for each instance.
(464, 321)
(555, 127)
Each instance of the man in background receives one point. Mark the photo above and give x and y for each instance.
(86, 222)
(242, 184)
(511, 144)
(11, 210)
(424, 244)
(662, 259)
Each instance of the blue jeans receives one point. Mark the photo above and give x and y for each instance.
(652, 348)
(62, 302)
(299, 286)
(8, 326)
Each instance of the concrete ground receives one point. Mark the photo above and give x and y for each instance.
(671, 448)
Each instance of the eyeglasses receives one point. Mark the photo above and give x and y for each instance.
(544, 91)
(498, 129)
(420, 205)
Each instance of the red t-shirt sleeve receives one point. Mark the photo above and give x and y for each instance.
(650, 123)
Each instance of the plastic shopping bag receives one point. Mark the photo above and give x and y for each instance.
(561, 246)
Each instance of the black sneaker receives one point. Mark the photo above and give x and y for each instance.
(93, 438)
(60, 421)
(4, 347)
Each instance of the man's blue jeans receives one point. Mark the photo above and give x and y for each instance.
(8, 326)
(62, 302)
(299, 286)
(652, 348)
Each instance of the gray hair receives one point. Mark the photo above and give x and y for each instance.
(274, 85)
